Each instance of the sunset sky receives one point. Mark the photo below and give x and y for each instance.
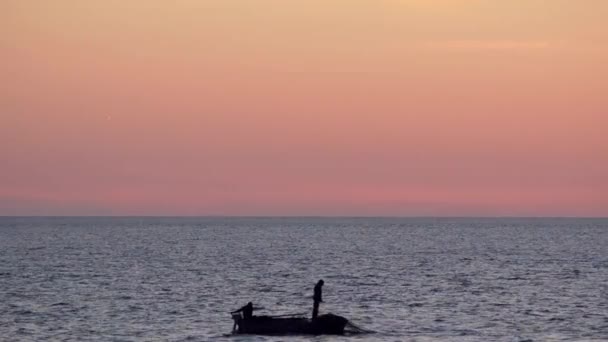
(304, 107)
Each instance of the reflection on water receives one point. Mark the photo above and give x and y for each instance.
(177, 279)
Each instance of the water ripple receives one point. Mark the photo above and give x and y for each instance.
(176, 279)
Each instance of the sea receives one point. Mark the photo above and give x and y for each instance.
(405, 279)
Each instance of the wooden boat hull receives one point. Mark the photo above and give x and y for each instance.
(265, 325)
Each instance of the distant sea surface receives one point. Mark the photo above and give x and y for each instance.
(407, 279)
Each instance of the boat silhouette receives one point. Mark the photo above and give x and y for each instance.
(327, 324)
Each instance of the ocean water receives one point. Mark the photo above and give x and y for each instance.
(408, 279)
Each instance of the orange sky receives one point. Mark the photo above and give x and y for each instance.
(315, 107)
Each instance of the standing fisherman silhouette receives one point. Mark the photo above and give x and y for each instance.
(317, 298)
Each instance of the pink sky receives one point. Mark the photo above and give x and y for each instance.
(333, 107)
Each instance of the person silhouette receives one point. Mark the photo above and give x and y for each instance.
(247, 311)
(317, 298)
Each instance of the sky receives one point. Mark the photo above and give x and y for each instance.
(304, 107)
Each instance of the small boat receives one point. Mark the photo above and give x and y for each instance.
(328, 324)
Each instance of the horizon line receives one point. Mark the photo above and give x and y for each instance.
(312, 216)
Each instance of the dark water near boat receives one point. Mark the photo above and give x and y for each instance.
(176, 279)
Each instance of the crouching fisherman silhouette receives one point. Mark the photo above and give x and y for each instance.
(247, 311)
(317, 298)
